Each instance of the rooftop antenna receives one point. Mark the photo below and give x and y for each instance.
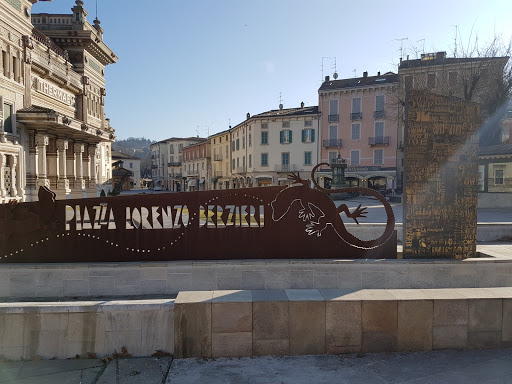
(96, 9)
(423, 49)
(401, 45)
(280, 101)
(354, 70)
(455, 40)
(335, 75)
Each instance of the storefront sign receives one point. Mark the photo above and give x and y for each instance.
(52, 91)
(295, 222)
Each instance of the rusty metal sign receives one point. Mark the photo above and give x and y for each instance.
(293, 222)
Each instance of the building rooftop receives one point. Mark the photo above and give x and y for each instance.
(356, 82)
(499, 149)
(198, 139)
(121, 155)
(439, 58)
(288, 112)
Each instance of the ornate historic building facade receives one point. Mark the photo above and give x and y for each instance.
(52, 90)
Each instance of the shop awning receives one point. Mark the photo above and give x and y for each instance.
(192, 183)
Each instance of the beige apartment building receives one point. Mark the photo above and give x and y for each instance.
(166, 162)
(130, 163)
(267, 147)
(197, 168)
(220, 147)
(53, 129)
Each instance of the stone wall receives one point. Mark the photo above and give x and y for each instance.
(62, 330)
(311, 322)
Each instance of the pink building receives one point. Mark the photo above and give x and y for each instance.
(359, 123)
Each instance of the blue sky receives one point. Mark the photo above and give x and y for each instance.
(194, 67)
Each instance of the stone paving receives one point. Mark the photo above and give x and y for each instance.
(476, 366)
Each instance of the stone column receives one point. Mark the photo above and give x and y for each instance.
(63, 189)
(16, 178)
(31, 167)
(52, 163)
(3, 190)
(41, 141)
(91, 187)
(78, 187)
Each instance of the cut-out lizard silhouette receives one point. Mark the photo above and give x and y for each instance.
(318, 209)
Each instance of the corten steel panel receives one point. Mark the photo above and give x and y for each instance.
(440, 176)
(253, 223)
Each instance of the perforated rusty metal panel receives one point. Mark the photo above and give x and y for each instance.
(253, 223)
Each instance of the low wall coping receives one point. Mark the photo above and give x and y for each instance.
(242, 296)
(85, 306)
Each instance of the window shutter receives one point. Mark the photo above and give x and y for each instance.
(290, 136)
(281, 134)
(303, 135)
(312, 135)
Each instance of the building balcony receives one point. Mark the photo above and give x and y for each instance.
(176, 175)
(217, 157)
(332, 118)
(287, 168)
(332, 143)
(174, 164)
(379, 114)
(356, 116)
(379, 140)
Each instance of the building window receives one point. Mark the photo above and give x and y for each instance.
(307, 158)
(250, 139)
(171, 149)
(233, 165)
(409, 83)
(379, 129)
(355, 133)
(250, 161)
(498, 176)
(243, 162)
(5, 62)
(378, 156)
(8, 125)
(333, 132)
(131, 165)
(308, 135)
(243, 142)
(233, 146)
(237, 162)
(264, 137)
(356, 109)
(264, 125)
(227, 150)
(237, 144)
(452, 79)
(332, 156)
(431, 80)
(285, 137)
(286, 124)
(354, 157)
(333, 110)
(379, 103)
(264, 159)
(285, 161)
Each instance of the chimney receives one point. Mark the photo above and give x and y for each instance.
(378, 73)
(326, 78)
(248, 115)
(302, 104)
(365, 74)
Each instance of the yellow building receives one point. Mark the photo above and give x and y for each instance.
(221, 160)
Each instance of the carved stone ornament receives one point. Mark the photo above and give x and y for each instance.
(84, 127)
(28, 42)
(42, 139)
(98, 132)
(62, 144)
(92, 150)
(66, 120)
(79, 148)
